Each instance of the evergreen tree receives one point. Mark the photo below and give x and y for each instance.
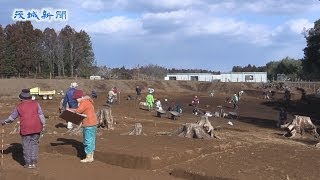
(311, 61)
(28, 51)
(84, 54)
(9, 61)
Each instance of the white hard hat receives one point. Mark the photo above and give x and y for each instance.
(74, 84)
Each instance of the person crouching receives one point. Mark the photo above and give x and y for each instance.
(89, 124)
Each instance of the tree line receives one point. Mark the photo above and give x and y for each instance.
(32, 52)
(307, 68)
(290, 67)
(146, 72)
(27, 52)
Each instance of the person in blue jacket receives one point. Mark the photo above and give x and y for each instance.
(68, 100)
(94, 94)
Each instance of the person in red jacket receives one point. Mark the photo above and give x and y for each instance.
(32, 122)
(89, 124)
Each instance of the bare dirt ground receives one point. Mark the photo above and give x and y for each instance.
(253, 148)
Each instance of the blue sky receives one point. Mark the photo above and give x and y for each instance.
(207, 34)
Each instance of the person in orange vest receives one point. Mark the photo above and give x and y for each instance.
(89, 124)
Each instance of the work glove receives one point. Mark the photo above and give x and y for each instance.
(61, 109)
(43, 131)
(3, 122)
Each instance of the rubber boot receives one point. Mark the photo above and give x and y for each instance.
(89, 158)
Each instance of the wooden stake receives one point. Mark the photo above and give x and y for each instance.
(119, 97)
(2, 145)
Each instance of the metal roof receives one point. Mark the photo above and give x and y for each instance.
(216, 74)
(190, 74)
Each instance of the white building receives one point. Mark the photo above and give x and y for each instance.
(244, 77)
(189, 77)
(223, 77)
(95, 78)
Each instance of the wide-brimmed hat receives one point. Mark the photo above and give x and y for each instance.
(25, 94)
(78, 94)
(73, 85)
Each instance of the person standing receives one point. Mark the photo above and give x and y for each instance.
(282, 117)
(266, 94)
(112, 95)
(138, 92)
(287, 95)
(32, 122)
(69, 102)
(235, 101)
(94, 94)
(195, 103)
(178, 108)
(89, 124)
(150, 101)
(240, 93)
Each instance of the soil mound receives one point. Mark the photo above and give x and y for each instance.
(12, 87)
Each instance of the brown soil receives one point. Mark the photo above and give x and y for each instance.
(253, 148)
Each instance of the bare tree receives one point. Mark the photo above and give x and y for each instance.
(59, 54)
(48, 54)
(68, 37)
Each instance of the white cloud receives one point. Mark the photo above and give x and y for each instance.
(171, 15)
(230, 6)
(278, 6)
(93, 5)
(227, 6)
(117, 25)
(298, 25)
(233, 29)
(171, 4)
(184, 29)
(196, 23)
(137, 5)
(119, 4)
(222, 6)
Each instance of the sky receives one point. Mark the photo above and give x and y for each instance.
(198, 34)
